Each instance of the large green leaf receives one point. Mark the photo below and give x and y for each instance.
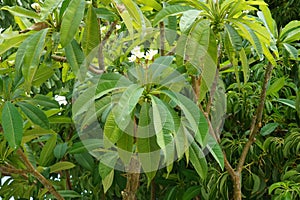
(75, 56)
(12, 124)
(111, 131)
(216, 151)
(126, 104)
(71, 21)
(32, 56)
(151, 3)
(234, 37)
(64, 165)
(47, 151)
(14, 41)
(34, 114)
(291, 50)
(290, 32)
(48, 6)
(187, 19)
(21, 12)
(195, 118)
(198, 160)
(91, 33)
(276, 86)
(191, 192)
(60, 150)
(85, 160)
(107, 181)
(42, 74)
(170, 10)
(147, 147)
(44, 101)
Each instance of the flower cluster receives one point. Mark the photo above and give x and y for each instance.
(136, 53)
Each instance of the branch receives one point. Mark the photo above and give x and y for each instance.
(162, 38)
(8, 171)
(102, 44)
(39, 176)
(256, 122)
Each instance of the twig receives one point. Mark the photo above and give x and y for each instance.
(102, 44)
(39, 176)
(162, 38)
(8, 171)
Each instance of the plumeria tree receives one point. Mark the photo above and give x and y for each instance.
(162, 99)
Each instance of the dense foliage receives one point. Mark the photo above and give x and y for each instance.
(202, 96)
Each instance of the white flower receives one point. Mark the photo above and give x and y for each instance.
(150, 54)
(132, 58)
(118, 27)
(140, 54)
(36, 7)
(136, 50)
(61, 99)
(102, 29)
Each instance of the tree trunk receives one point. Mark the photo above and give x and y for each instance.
(133, 177)
(237, 186)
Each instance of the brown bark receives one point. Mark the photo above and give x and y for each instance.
(133, 180)
(39, 176)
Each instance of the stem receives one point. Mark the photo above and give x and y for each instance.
(256, 122)
(153, 190)
(162, 38)
(102, 44)
(39, 176)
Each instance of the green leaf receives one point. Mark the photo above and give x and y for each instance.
(276, 86)
(11, 42)
(171, 31)
(32, 55)
(71, 21)
(69, 193)
(60, 120)
(60, 150)
(107, 181)
(198, 160)
(291, 50)
(170, 10)
(191, 192)
(34, 114)
(75, 56)
(125, 16)
(21, 12)
(234, 37)
(111, 131)
(127, 103)
(12, 124)
(90, 38)
(256, 184)
(43, 73)
(269, 22)
(85, 160)
(47, 151)
(215, 149)
(268, 128)
(85, 145)
(151, 3)
(48, 6)
(245, 65)
(287, 102)
(187, 19)
(104, 13)
(290, 32)
(60, 166)
(148, 150)
(44, 101)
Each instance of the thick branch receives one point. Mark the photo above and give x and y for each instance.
(8, 171)
(39, 176)
(256, 122)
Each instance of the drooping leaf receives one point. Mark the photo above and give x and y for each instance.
(21, 12)
(291, 50)
(276, 86)
(47, 151)
(234, 37)
(14, 41)
(12, 124)
(288, 102)
(91, 32)
(149, 154)
(85, 160)
(34, 114)
(111, 131)
(60, 166)
(48, 6)
(32, 56)
(71, 21)
(198, 160)
(75, 56)
(268, 128)
(60, 150)
(107, 181)
(191, 192)
(170, 10)
(42, 74)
